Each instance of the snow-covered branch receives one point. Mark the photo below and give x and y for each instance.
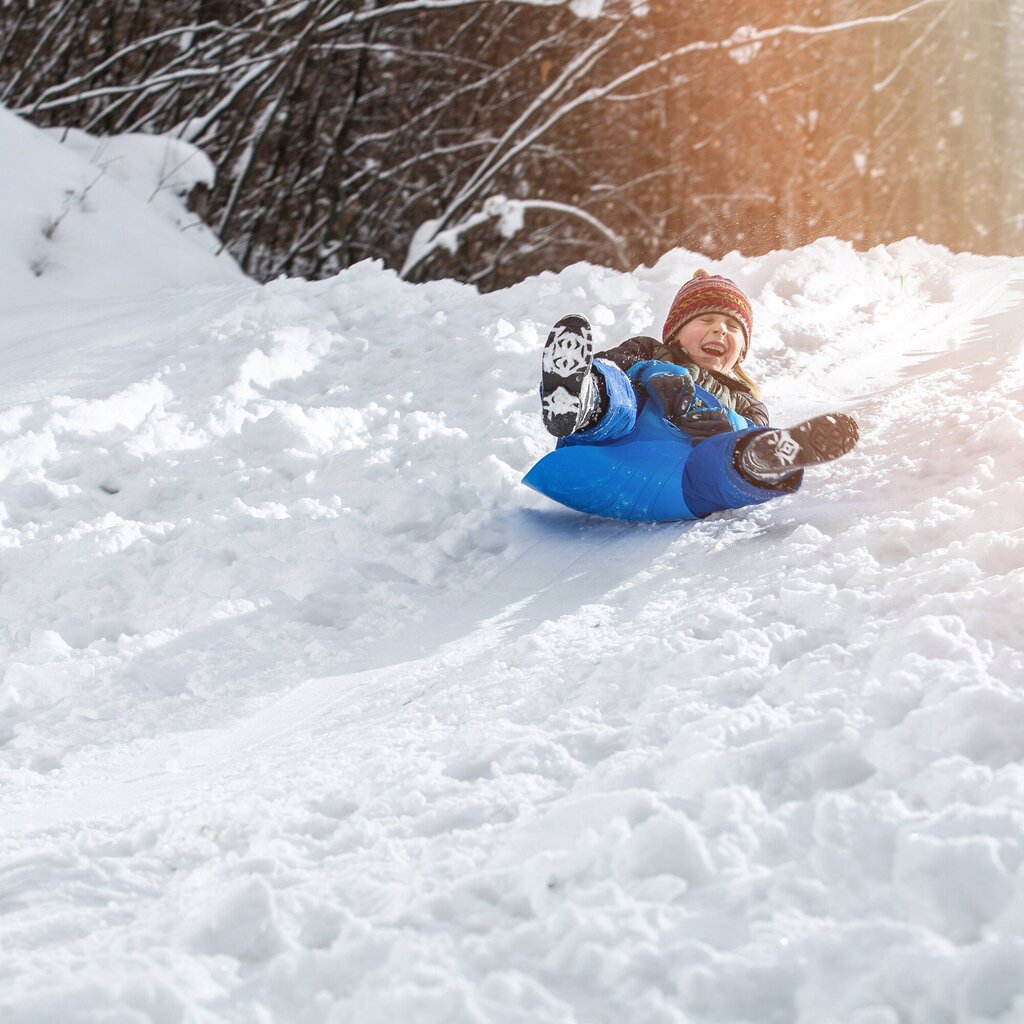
(510, 216)
(586, 9)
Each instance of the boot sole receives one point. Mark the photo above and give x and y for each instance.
(814, 441)
(565, 365)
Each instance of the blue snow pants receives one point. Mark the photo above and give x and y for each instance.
(634, 464)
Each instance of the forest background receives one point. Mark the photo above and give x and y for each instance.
(486, 140)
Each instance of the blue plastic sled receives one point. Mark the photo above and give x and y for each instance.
(638, 477)
(653, 473)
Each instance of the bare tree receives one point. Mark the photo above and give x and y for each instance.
(487, 139)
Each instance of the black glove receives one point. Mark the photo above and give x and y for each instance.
(705, 423)
(675, 391)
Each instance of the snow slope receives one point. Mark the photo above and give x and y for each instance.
(312, 713)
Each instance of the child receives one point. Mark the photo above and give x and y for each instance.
(673, 429)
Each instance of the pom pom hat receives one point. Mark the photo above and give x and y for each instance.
(708, 293)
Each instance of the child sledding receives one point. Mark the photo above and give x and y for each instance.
(661, 431)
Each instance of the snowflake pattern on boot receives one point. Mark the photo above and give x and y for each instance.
(567, 387)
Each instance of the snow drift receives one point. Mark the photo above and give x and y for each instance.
(311, 712)
(85, 217)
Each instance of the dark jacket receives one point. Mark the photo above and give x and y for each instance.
(728, 390)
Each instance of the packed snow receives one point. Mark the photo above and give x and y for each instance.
(311, 712)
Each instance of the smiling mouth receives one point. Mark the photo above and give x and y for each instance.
(713, 348)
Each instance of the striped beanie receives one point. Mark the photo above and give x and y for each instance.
(709, 293)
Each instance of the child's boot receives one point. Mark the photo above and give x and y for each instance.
(570, 396)
(770, 455)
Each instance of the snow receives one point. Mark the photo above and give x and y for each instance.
(87, 218)
(743, 54)
(311, 712)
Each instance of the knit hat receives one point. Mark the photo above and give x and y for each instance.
(709, 293)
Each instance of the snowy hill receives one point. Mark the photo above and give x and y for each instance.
(312, 712)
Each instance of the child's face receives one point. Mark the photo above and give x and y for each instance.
(713, 341)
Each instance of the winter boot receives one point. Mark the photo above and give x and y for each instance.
(570, 397)
(772, 454)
